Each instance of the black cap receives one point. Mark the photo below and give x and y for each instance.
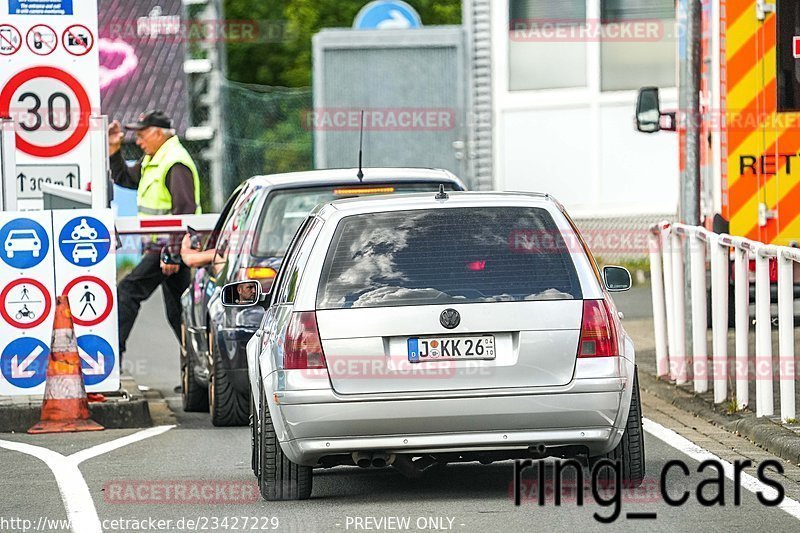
(156, 118)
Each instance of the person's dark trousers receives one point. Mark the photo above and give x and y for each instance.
(137, 287)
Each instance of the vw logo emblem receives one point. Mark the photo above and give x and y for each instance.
(450, 318)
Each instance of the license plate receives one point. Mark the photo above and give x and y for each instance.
(422, 349)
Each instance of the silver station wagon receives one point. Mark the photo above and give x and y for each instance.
(425, 329)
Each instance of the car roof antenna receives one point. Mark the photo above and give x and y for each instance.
(441, 195)
(360, 145)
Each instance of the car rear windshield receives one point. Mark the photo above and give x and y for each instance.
(452, 255)
(286, 209)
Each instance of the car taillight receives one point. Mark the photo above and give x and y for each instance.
(302, 347)
(598, 333)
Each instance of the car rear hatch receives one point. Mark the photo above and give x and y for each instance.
(449, 299)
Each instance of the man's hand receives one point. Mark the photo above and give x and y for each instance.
(186, 245)
(115, 137)
(169, 270)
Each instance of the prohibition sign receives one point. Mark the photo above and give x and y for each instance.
(109, 299)
(8, 34)
(23, 325)
(41, 39)
(73, 38)
(84, 109)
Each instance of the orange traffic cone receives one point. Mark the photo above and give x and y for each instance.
(65, 407)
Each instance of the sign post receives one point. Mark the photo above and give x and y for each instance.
(50, 87)
(8, 164)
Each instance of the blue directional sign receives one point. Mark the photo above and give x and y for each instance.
(24, 362)
(387, 14)
(84, 241)
(25, 243)
(97, 358)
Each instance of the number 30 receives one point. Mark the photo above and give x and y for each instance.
(37, 103)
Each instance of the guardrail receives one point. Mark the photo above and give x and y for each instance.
(666, 247)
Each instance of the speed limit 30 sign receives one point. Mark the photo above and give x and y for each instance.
(51, 109)
(50, 87)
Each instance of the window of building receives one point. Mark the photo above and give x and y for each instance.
(637, 44)
(546, 49)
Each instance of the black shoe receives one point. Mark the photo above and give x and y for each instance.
(178, 389)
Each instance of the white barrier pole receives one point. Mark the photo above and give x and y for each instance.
(763, 374)
(98, 149)
(719, 317)
(742, 318)
(786, 336)
(666, 254)
(697, 252)
(678, 360)
(8, 165)
(659, 315)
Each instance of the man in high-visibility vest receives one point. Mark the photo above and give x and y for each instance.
(168, 184)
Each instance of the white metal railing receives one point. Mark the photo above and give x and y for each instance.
(666, 248)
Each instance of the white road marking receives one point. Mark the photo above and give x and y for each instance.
(684, 445)
(75, 494)
(112, 445)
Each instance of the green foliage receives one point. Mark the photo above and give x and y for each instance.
(281, 55)
(265, 133)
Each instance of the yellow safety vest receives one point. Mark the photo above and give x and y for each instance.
(153, 197)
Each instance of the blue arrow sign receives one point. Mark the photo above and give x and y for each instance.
(25, 243)
(97, 358)
(24, 362)
(387, 14)
(84, 241)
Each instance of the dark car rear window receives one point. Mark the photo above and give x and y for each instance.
(286, 209)
(454, 255)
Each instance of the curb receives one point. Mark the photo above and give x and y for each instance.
(127, 408)
(772, 437)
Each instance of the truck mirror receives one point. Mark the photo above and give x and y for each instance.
(648, 113)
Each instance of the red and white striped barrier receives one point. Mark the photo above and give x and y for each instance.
(165, 224)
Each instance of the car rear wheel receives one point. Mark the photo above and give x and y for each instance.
(280, 478)
(228, 407)
(629, 453)
(193, 395)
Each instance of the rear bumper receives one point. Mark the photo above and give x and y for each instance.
(596, 440)
(590, 414)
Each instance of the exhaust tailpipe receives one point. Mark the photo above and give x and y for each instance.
(380, 460)
(538, 450)
(364, 460)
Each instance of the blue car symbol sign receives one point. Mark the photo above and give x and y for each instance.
(25, 243)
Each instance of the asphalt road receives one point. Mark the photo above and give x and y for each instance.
(195, 472)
